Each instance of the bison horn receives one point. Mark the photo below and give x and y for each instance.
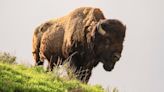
(101, 30)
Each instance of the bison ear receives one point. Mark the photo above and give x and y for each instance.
(100, 29)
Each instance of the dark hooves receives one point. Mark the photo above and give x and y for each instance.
(39, 63)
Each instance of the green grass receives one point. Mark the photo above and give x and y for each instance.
(18, 78)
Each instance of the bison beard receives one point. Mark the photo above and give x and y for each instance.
(87, 35)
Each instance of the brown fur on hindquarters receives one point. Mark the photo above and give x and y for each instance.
(50, 45)
(37, 35)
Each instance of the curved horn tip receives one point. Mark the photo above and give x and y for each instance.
(101, 30)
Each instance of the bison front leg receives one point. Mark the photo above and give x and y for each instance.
(83, 75)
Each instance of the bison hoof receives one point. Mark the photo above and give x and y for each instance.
(39, 63)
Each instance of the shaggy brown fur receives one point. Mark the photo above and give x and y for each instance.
(78, 22)
(51, 44)
(87, 33)
(37, 39)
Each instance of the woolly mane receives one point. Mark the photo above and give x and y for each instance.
(80, 27)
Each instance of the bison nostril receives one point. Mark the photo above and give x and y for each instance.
(116, 57)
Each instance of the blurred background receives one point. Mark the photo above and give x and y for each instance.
(141, 67)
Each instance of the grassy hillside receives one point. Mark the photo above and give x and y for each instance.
(18, 78)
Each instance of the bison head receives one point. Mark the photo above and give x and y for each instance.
(109, 39)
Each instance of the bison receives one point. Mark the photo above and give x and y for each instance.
(88, 37)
